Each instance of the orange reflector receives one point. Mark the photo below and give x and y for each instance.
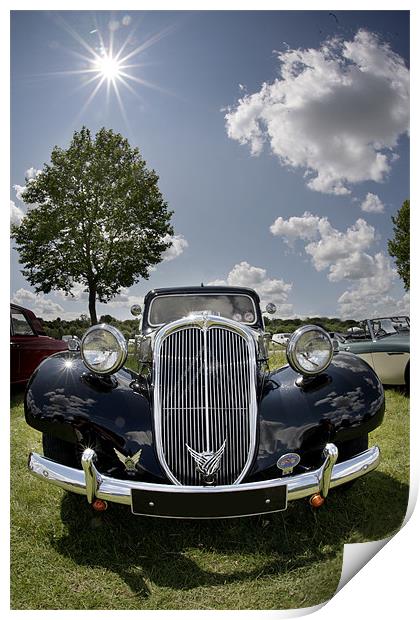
(316, 500)
(99, 505)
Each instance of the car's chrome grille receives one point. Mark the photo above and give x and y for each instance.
(204, 396)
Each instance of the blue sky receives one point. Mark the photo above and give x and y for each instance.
(286, 187)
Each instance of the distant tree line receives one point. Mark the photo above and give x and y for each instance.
(277, 326)
(130, 327)
(58, 328)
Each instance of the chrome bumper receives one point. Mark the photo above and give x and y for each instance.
(94, 485)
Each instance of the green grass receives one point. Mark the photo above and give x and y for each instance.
(64, 556)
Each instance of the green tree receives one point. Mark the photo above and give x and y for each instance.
(98, 219)
(399, 246)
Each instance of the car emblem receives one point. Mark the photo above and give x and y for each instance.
(208, 463)
(287, 462)
(129, 462)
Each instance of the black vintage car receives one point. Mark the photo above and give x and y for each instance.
(204, 429)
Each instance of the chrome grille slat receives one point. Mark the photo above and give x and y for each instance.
(205, 394)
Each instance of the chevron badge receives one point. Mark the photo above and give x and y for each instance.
(207, 462)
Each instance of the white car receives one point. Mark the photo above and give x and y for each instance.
(282, 339)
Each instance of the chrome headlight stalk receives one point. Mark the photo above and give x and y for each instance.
(309, 351)
(104, 349)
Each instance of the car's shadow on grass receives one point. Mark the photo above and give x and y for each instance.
(169, 553)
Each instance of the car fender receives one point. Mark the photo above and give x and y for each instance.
(64, 399)
(344, 402)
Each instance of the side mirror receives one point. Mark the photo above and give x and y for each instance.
(135, 309)
(271, 308)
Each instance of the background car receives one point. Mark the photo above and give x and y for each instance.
(282, 339)
(384, 343)
(29, 344)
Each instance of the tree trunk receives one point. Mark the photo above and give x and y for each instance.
(92, 304)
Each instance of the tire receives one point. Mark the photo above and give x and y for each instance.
(60, 451)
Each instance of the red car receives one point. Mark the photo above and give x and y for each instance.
(29, 344)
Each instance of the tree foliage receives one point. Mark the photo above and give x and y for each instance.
(98, 219)
(399, 246)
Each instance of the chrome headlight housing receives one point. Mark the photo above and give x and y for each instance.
(309, 350)
(104, 349)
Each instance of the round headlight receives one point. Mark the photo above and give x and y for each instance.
(309, 350)
(104, 349)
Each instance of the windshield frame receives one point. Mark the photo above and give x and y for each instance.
(255, 323)
(393, 319)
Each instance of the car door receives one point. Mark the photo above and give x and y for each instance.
(21, 338)
(390, 366)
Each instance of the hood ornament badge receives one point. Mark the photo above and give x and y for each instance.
(208, 463)
(129, 462)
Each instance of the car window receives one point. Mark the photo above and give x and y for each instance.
(20, 324)
(167, 308)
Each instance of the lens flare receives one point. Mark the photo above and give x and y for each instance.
(108, 67)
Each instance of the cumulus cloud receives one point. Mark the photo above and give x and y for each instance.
(16, 214)
(19, 189)
(30, 175)
(38, 303)
(269, 289)
(179, 244)
(342, 253)
(304, 227)
(78, 293)
(371, 296)
(372, 204)
(335, 112)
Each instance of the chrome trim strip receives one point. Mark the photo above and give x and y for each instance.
(119, 491)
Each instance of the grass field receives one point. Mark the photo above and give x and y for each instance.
(64, 556)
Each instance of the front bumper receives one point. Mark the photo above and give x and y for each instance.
(196, 502)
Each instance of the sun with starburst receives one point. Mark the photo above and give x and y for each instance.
(112, 68)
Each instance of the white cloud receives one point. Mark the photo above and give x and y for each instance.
(343, 253)
(78, 293)
(16, 214)
(38, 303)
(32, 173)
(371, 297)
(372, 204)
(336, 112)
(334, 246)
(126, 20)
(179, 244)
(19, 189)
(304, 227)
(269, 289)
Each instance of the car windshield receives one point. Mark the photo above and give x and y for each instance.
(390, 325)
(167, 308)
